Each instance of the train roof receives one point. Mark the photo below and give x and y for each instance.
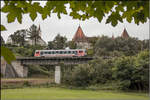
(61, 50)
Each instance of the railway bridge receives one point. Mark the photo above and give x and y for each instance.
(19, 65)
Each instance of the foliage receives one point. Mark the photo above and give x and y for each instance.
(96, 72)
(129, 46)
(132, 72)
(59, 42)
(72, 45)
(34, 34)
(3, 28)
(137, 10)
(124, 73)
(100, 71)
(7, 54)
(19, 37)
(119, 46)
(37, 70)
(80, 73)
(26, 51)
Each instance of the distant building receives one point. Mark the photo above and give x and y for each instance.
(40, 41)
(9, 40)
(113, 38)
(81, 40)
(125, 34)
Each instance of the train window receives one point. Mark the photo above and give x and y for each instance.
(37, 52)
(41, 53)
(61, 52)
(56, 52)
(53, 52)
(69, 52)
(46, 52)
(65, 52)
(80, 51)
(49, 52)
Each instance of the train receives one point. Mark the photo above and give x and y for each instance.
(61, 53)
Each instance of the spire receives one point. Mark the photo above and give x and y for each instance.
(40, 34)
(39, 28)
(125, 34)
(79, 35)
(113, 37)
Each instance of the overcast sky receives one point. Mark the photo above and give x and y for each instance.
(67, 26)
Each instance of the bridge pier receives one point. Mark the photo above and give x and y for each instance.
(57, 74)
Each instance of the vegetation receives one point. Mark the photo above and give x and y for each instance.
(34, 34)
(19, 37)
(128, 73)
(59, 42)
(119, 46)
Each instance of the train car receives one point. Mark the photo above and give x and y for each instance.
(60, 53)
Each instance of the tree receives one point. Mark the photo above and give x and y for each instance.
(59, 42)
(133, 71)
(129, 46)
(106, 46)
(19, 37)
(50, 45)
(137, 11)
(103, 46)
(72, 45)
(34, 34)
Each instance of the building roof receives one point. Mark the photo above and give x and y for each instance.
(79, 35)
(125, 34)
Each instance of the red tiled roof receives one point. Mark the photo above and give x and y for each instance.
(125, 34)
(79, 35)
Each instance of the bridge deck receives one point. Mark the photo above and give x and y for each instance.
(46, 58)
(53, 60)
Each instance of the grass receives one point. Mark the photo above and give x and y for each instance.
(54, 93)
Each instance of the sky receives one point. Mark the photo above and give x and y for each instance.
(66, 26)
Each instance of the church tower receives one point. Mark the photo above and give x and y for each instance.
(39, 30)
(79, 36)
(125, 34)
(80, 39)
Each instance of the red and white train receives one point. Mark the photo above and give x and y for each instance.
(60, 53)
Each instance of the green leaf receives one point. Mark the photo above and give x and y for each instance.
(3, 28)
(19, 18)
(7, 54)
(33, 16)
(10, 17)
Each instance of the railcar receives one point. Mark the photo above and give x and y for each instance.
(60, 53)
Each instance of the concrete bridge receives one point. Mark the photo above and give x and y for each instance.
(20, 69)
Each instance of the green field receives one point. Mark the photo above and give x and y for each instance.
(67, 94)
